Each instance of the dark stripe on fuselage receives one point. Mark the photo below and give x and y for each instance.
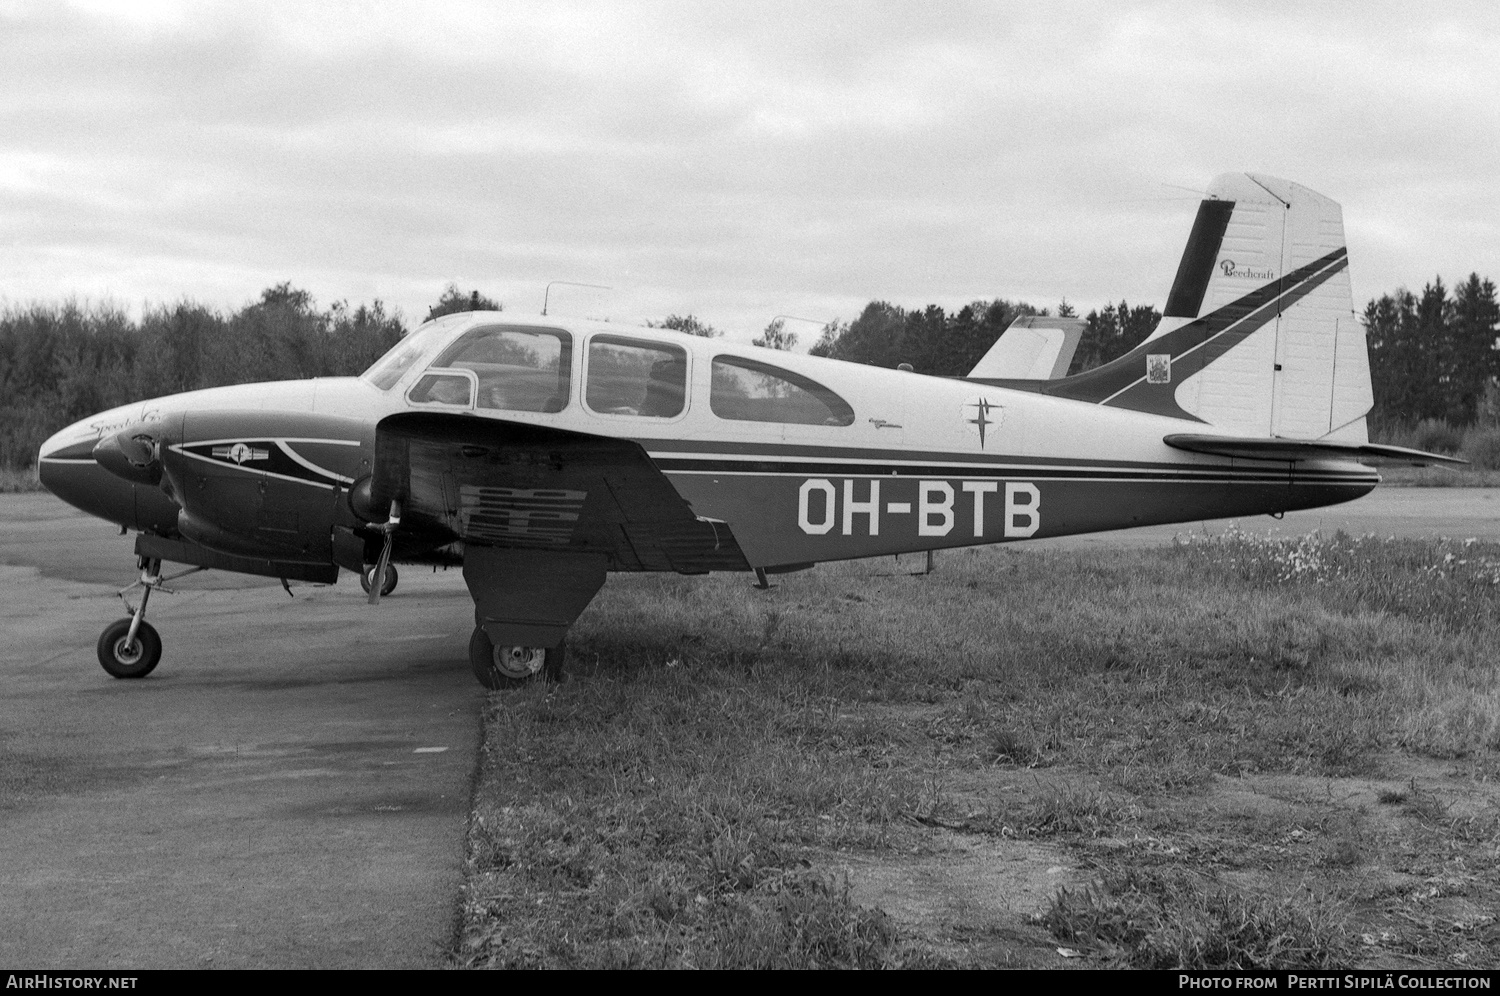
(774, 458)
(1198, 259)
(1261, 474)
(666, 449)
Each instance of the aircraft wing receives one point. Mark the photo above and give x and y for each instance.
(520, 486)
(1261, 448)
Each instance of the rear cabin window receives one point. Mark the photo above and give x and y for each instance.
(751, 391)
(634, 377)
(518, 369)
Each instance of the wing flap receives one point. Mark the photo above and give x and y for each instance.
(520, 486)
(1259, 448)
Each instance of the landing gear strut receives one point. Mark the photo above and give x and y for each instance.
(130, 647)
(512, 667)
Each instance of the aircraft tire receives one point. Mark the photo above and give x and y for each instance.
(135, 661)
(367, 579)
(499, 668)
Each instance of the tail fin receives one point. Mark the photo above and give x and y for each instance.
(1259, 335)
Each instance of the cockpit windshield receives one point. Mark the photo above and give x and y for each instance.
(386, 371)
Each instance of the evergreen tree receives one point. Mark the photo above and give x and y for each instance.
(1472, 317)
(932, 341)
(1390, 333)
(1113, 332)
(455, 300)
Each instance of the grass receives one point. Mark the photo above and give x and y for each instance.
(1251, 752)
(1147, 919)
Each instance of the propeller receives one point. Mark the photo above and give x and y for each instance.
(377, 580)
(133, 454)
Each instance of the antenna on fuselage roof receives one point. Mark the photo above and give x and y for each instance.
(546, 295)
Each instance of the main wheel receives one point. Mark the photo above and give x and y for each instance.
(132, 660)
(512, 667)
(367, 579)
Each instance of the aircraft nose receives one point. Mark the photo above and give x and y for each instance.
(72, 447)
(67, 467)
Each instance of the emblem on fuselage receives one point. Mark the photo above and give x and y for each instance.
(1158, 368)
(240, 453)
(984, 416)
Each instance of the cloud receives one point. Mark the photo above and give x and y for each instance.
(729, 160)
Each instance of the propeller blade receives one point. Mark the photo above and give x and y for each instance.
(377, 580)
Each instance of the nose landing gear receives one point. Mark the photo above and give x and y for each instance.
(127, 654)
(367, 579)
(131, 647)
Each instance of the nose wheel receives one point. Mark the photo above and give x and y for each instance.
(131, 647)
(129, 655)
(512, 667)
(367, 578)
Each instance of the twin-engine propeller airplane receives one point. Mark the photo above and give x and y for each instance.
(542, 454)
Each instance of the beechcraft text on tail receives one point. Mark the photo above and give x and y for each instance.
(540, 455)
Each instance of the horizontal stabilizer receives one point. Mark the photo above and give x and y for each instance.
(1033, 347)
(1260, 448)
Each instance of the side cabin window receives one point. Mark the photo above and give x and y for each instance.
(444, 387)
(751, 391)
(515, 369)
(636, 377)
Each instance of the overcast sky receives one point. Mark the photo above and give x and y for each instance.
(733, 160)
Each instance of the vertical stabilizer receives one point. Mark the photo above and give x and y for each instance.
(1303, 371)
(1259, 335)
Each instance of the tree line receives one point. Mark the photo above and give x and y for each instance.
(1433, 359)
(935, 342)
(1433, 356)
(62, 362)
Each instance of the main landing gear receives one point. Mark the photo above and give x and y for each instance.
(130, 647)
(512, 667)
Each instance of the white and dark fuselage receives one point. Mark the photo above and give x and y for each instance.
(265, 470)
(541, 454)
